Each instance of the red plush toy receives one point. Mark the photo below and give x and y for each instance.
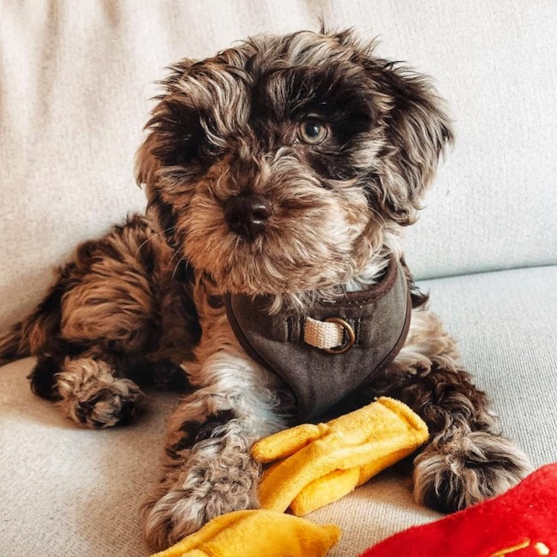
(519, 523)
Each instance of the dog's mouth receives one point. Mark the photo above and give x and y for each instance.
(269, 259)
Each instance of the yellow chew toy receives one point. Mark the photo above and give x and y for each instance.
(322, 463)
(317, 464)
(256, 534)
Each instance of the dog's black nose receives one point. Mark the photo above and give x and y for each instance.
(247, 215)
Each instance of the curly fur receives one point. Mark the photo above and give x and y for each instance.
(125, 311)
(90, 394)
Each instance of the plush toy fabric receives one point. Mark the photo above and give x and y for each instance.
(522, 522)
(256, 534)
(319, 464)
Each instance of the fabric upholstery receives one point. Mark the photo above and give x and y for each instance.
(76, 78)
(67, 491)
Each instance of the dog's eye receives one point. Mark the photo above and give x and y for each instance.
(313, 132)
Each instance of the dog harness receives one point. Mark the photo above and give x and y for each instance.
(334, 350)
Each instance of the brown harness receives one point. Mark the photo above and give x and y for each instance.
(372, 326)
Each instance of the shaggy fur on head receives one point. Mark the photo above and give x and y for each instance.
(286, 166)
(230, 126)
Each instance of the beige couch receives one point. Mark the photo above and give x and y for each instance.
(75, 83)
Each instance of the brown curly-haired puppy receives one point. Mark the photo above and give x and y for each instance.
(280, 175)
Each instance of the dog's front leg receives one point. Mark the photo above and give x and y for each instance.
(467, 459)
(208, 470)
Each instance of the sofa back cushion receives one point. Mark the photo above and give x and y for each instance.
(77, 78)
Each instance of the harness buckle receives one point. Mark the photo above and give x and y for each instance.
(343, 348)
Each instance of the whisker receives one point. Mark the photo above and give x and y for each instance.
(160, 234)
(176, 252)
(176, 268)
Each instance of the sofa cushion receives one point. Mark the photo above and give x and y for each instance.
(81, 74)
(68, 491)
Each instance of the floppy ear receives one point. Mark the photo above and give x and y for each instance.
(147, 166)
(161, 214)
(162, 123)
(166, 144)
(416, 130)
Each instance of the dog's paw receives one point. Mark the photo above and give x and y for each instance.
(450, 476)
(113, 404)
(91, 396)
(217, 477)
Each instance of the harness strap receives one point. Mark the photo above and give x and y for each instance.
(335, 348)
(323, 334)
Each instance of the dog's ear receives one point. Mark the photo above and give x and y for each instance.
(146, 164)
(164, 127)
(416, 129)
(169, 133)
(147, 167)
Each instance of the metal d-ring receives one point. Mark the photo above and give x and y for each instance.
(351, 336)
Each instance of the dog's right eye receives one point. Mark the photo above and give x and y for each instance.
(313, 132)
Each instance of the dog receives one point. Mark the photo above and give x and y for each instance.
(280, 175)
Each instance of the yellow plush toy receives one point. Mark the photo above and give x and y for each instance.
(322, 463)
(255, 534)
(317, 464)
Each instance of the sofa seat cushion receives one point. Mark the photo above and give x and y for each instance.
(68, 491)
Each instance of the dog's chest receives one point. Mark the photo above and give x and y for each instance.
(334, 348)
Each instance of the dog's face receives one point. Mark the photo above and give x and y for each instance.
(276, 166)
